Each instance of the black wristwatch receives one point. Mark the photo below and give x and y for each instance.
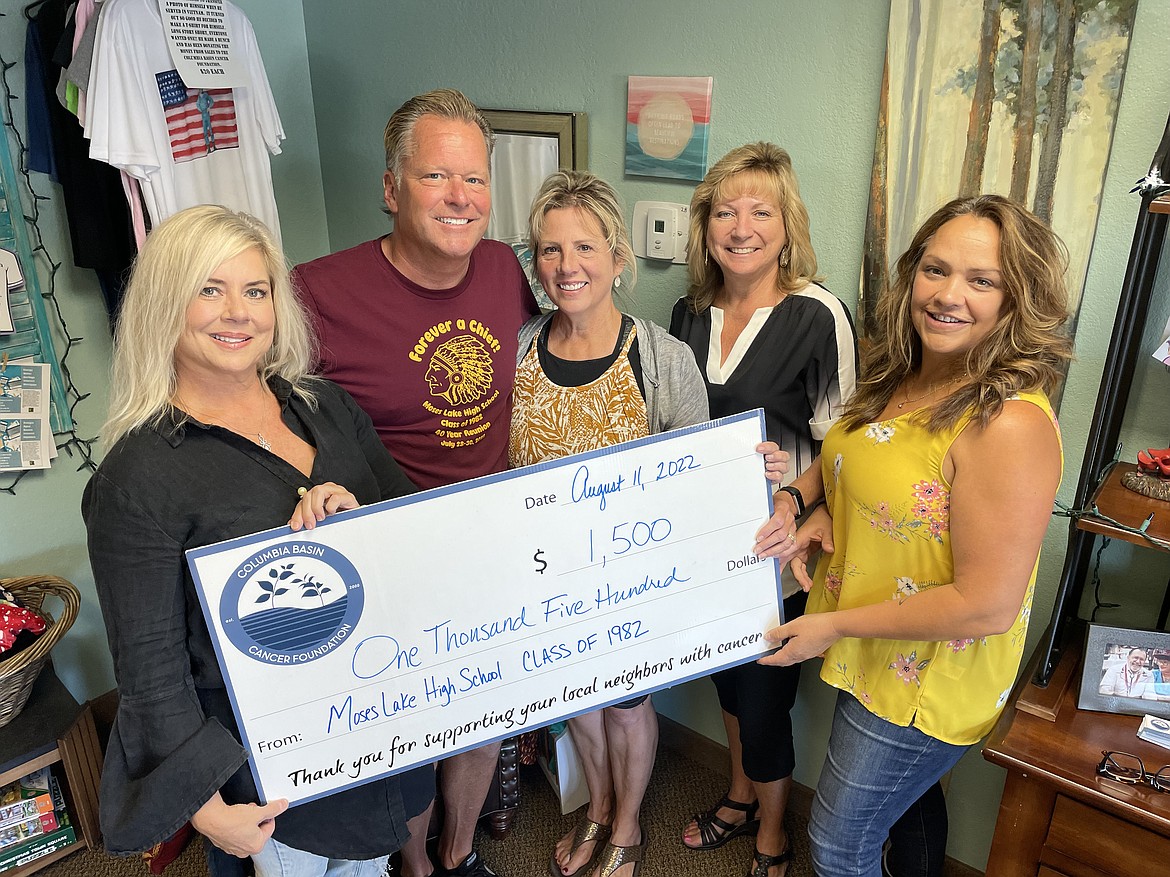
(797, 498)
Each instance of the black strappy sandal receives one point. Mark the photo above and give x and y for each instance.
(715, 832)
(761, 862)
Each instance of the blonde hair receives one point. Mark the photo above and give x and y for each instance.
(1026, 349)
(570, 188)
(446, 103)
(178, 257)
(765, 170)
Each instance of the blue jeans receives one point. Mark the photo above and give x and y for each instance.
(280, 860)
(873, 772)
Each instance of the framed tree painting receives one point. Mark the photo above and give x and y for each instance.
(1014, 97)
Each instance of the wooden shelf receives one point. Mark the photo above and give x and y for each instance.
(55, 730)
(1122, 504)
(1064, 754)
(1057, 816)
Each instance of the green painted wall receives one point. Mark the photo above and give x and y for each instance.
(805, 75)
(40, 527)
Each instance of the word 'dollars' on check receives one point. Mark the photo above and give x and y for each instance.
(406, 631)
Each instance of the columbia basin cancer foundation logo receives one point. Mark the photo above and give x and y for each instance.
(291, 603)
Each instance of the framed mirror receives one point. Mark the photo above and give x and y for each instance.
(529, 146)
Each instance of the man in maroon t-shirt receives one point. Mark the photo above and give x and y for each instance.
(420, 327)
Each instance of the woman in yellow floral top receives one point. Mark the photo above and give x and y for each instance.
(938, 485)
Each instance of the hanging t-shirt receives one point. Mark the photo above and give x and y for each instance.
(185, 146)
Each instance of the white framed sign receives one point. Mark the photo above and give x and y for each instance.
(413, 629)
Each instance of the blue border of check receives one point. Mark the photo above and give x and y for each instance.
(242, 541)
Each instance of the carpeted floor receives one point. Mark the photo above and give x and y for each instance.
(679, 787)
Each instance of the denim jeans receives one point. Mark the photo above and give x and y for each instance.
(280, 860)
(873, 772)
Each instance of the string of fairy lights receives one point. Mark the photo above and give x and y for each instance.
(69, 441)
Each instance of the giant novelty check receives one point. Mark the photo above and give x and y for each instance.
(416, 628)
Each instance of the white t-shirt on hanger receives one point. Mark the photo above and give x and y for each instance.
(186, 147)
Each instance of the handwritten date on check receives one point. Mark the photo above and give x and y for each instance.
(407, 631)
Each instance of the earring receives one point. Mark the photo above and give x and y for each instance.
(617, 282)
(706, 259)
(784, 257)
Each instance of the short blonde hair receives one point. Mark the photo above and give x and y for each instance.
(765, 170)
(570, 188)
(178, 257)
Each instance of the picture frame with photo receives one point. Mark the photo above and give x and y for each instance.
(1126, 671)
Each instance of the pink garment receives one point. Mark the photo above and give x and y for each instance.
(85, 10)
(134, 199)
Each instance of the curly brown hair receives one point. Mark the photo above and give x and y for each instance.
(1027, 348)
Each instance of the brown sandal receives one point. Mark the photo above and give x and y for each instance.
(614, 857)
(587, 830)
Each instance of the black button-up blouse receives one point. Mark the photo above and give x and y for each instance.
(182, 485)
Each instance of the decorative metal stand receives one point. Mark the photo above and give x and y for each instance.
(1112, 398)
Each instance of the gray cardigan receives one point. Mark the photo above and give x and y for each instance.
(675, 393)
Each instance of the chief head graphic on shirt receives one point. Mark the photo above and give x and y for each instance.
(460, 370)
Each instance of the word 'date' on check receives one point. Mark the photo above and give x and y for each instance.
(406, 631)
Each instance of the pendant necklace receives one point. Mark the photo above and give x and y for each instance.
(931, 391)
(260, 439)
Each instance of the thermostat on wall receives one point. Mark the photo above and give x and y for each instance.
(661, 230)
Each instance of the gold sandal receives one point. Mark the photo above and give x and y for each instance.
(614, 857)
(587, 830)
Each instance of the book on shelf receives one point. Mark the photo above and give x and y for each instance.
(33, 819)
(37, 847)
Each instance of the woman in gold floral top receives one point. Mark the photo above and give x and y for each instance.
(938, 484)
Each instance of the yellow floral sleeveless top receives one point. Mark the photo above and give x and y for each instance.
(551, 421)
(891, 527)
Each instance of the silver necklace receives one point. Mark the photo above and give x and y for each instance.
(260, 439)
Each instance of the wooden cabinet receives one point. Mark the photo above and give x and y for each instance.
(54, 730)
(1057, 817)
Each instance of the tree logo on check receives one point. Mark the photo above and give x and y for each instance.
(291, 603)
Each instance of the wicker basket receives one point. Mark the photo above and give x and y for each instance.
(18, 673)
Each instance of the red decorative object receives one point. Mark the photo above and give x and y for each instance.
(162, 854)
(15, 619)
(1155, 462)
